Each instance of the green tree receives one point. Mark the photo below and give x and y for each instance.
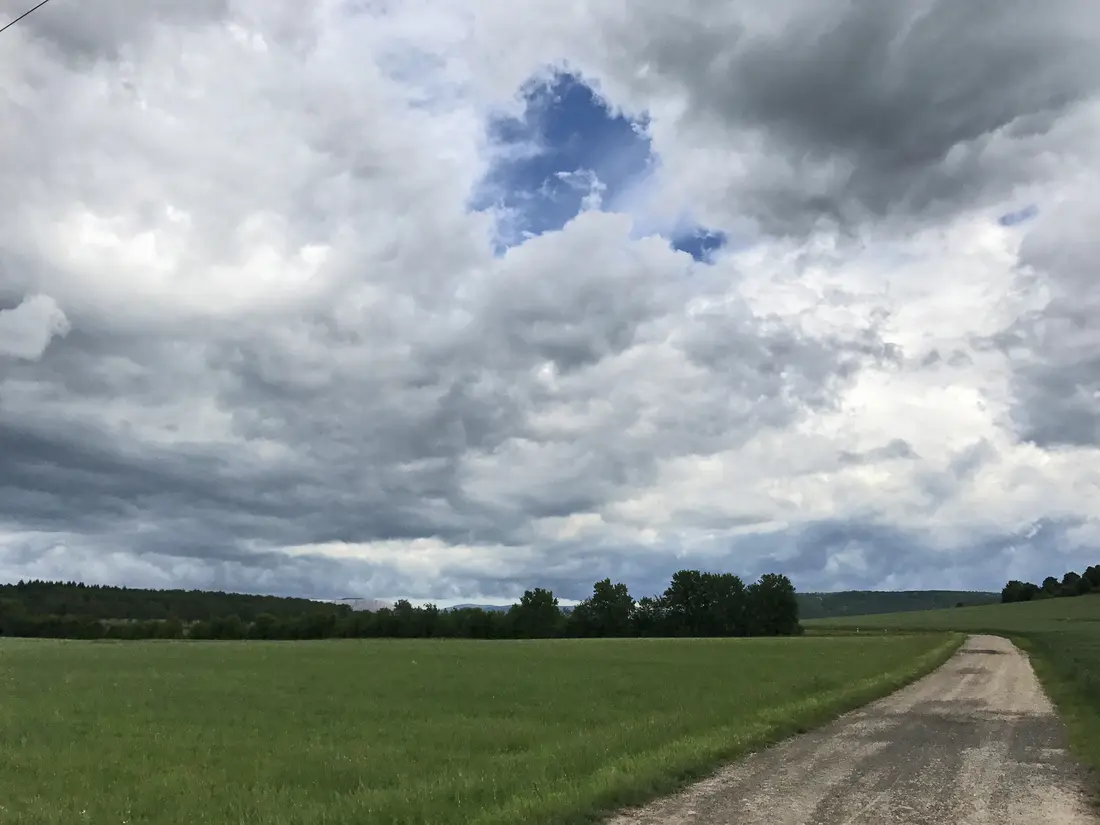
(228, 627)
(726, 605)
(607, 612)
(429, 621)
(537, 615)
(685, 603)
(773, 607)
(13, 617)
(648, 618)
(171, 628)
(265, 626)
(405, 619)
(1018, 591)
(475, 623)
(1069, 584)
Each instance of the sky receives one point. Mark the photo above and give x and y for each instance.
(447, 299)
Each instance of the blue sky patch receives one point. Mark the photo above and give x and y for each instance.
(1019, 216)
(567, 153)
(700, 244)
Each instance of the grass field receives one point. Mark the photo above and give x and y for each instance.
(1062, 636)
(405, 732)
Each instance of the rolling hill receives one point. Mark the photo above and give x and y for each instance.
(868, 602)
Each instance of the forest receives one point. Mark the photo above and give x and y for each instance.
(694, 604)
(1071, 584)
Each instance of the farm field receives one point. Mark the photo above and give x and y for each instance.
(1080, 612)
(407, 731)
(1062, 636)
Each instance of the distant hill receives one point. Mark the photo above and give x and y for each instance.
(495, 608)
(92, 601)
(1051, 615)
(870, 602)
(356, 603)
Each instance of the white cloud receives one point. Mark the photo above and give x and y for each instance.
(27, 330)
(296, 363)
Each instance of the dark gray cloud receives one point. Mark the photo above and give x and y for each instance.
(84, 34)
(1056, 348)
(861, 556)
(367, 454)
(855, 110)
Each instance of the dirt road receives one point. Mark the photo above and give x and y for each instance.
(975, 742)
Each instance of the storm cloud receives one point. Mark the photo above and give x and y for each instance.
(262, 329)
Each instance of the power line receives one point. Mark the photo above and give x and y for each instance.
(7, 26)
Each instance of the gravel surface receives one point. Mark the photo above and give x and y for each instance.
(977, 741)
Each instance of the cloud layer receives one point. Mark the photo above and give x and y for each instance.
(322, 300)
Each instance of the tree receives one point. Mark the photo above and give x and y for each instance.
(536, 616)
(228, 627)
(429, 621)
(13, 617)
(170, 628)
(773, 607)
(482, 624)
(606, 612)
(1069, 584)
(1018, 591)
(695, 603)
(685, 604)
(264, 627)
(1051, 586)
(726, 603)
(405, 619)
(648, 618)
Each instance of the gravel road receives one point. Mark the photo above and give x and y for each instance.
(976, 741)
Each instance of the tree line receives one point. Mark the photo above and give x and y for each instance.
(94, 601)
(1071, 584)
(694, 604)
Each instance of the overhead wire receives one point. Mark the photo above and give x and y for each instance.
(11, 23)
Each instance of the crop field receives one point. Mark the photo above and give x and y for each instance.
(1023, 617)
(406, 731)
(1062, 636)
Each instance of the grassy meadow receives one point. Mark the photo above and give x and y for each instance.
(1061, 635)
(406, 731)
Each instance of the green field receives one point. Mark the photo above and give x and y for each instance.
(1062, 636)
(1082, 612)
(406, 731)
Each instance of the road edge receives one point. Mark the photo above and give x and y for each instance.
(862, 695)
(1080, 721)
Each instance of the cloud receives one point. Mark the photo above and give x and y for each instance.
(1055, 349)
(27, 329)
(853, 111)
(360, 300)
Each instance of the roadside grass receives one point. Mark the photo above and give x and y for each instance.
(407, 732)
(1062, 637)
